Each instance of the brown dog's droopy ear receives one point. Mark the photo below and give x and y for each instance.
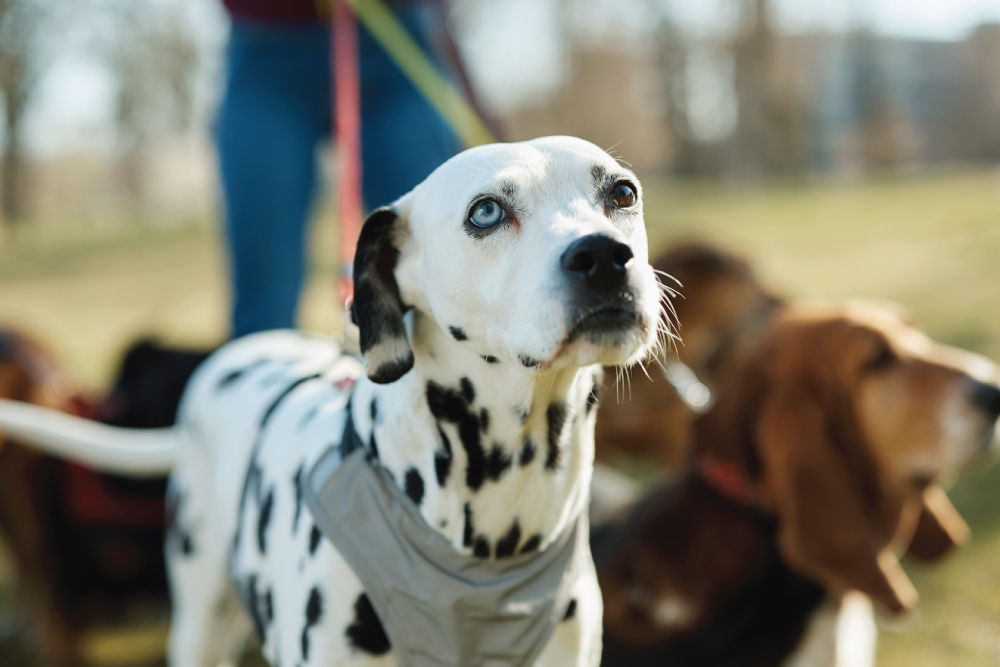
(828, 529)
(939, 528)
(378, 308)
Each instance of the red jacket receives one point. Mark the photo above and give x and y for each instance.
(293, 11)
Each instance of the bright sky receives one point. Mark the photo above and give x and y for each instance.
(509, 47)
(935, 19)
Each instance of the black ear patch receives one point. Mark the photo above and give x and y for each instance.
(378, 308)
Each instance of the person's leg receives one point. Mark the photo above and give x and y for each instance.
(403, 138)
(274, 112)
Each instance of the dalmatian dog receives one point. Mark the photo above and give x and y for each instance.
(487, 300)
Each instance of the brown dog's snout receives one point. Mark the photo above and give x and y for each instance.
(986, 397)
(600, 261)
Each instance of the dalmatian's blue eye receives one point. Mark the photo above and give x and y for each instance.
(486, 213)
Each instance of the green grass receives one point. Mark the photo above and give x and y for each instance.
(931, 242)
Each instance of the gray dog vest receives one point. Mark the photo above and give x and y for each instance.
(440, 607)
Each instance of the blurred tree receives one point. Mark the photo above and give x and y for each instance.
(982, 53)
(21, 64)
(152, 56)
(882, 134)
(672, 52)
(771, 131)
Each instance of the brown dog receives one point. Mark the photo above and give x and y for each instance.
(28, 373)
(86, 547)
(724, 307)
(814, 468)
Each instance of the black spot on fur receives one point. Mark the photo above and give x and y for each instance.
(484, 420)
(229, 378)
(468, 390)
(527, 452)
(314, 611)
(527, 362)
(251, 488)
(451, 406)
(490, 359)
(469, 530)
(481, 547)
(373, 410)
(373, 446)
(366, 632)
(232, 376)
(264, 520)
(531, 544)
(570, 610)
(592, 398)
(314, 539)
(445, 441)
(457, 334)
(445, 404)
(443, 459)
(497, 463)
(414, 485)
(350, 441)
(556, 418)
(297, 488)
(283, 395)
(268, 611)
(507, 545)
(253, 603)
(442, 466)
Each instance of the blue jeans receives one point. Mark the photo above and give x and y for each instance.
(274, 114)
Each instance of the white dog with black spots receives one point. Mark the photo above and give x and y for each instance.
(487, 300)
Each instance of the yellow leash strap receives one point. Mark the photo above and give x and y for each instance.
(438, 90)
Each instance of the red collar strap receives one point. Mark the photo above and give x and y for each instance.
(729, 480)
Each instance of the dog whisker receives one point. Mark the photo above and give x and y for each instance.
(669, 276)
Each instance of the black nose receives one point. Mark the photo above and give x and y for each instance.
(987, 397)
(599, 260)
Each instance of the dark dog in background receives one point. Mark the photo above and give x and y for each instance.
(87, 548)
(815, 467)
(723, 307)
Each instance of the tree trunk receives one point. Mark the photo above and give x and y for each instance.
(13, 182)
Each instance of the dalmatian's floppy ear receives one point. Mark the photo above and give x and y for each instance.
(378, 307)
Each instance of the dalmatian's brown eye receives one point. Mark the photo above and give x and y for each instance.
(623, 195)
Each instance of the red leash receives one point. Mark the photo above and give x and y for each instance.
(347, 124)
